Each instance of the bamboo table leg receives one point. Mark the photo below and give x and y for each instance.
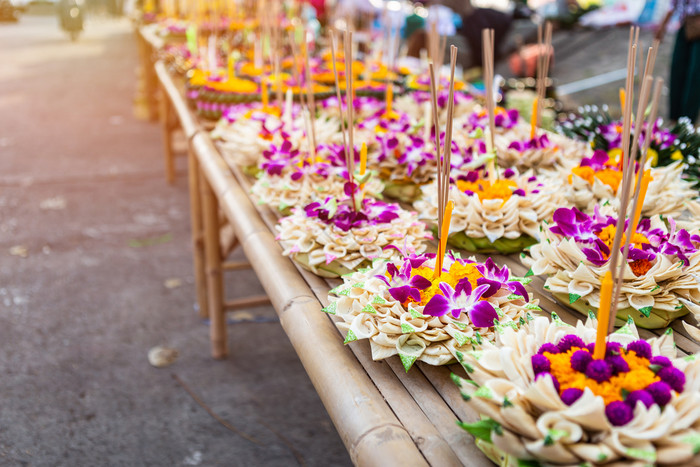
(167, 123)
(150, 79)
(200, 276)
(215, 287)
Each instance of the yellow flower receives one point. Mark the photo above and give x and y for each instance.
(677, 155)
(653, 157)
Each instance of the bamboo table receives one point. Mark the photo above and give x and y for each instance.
(384, 415)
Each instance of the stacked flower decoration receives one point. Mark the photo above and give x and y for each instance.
(547, 397)
(336, 236)
(597, 179)
(495, 214)
(660, 280)
(289, 178)
(405, 309)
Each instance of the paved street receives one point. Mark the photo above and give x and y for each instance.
(95, 269)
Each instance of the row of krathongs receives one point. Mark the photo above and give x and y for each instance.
(367, 163)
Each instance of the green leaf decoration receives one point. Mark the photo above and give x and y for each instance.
(467, 367)
(461, 338)
(350, 337)
(531, 306)
(331, 308)
(336, 290)
(478, 338)
(484, 393)
(407, 328)
(345, 292)
(282, 206)
(602, 457)
(415, 313)
(456, 379)
(648, 456)
(694, 440)
(690, 358)
(529, 463)
(573, 298)
(481, 429)
(591, 315)
(668, 332)
(460, 356)
(529, 273)
(507, 403)
(459, 324)
(546, 287)
(646, 311)
(407, 360)
(521, 321)
(369, 309)
(548, 440)
(656, 288)
(378, 300)
(514, 296)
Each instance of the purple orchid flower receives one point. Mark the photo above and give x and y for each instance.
(401, 285)
(414, 155)
(496, 278)
(573, 223)
(463, 299)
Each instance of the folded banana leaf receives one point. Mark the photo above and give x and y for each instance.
(657, 319)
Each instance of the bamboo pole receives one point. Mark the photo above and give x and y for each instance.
(197, 228)
(215, 286)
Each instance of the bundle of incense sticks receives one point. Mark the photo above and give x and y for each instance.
(612, 282)
(444, 161)
(487, 36)
(543, 60)
(436, 50)
(308, 120)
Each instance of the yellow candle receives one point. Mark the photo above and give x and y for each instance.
(603, 315)
(265, 97)
(646, 178)
(442, 248)
(363, 159)
(533, 119)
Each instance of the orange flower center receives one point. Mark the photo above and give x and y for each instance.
(501, 189)
(639, 376)
(610, 177)
(457, 272)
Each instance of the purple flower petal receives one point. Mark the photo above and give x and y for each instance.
(437, 306)
(483, 315)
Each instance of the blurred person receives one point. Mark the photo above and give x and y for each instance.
(685, 63)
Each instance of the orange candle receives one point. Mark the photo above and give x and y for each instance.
(442, 248)
(389, 97)
(646, 178)
(603, 315)
(363, 159)
(265, 97)
(533, 118)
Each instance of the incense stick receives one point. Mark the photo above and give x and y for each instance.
(447, 151)
(433, 96)
(337, 91)
(487, 51)
(350, 154)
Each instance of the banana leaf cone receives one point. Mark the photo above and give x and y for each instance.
(331, 270)
(504, 246)
(405, 192)
(656, 319)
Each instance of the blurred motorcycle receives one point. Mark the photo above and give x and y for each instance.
(71, 14)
